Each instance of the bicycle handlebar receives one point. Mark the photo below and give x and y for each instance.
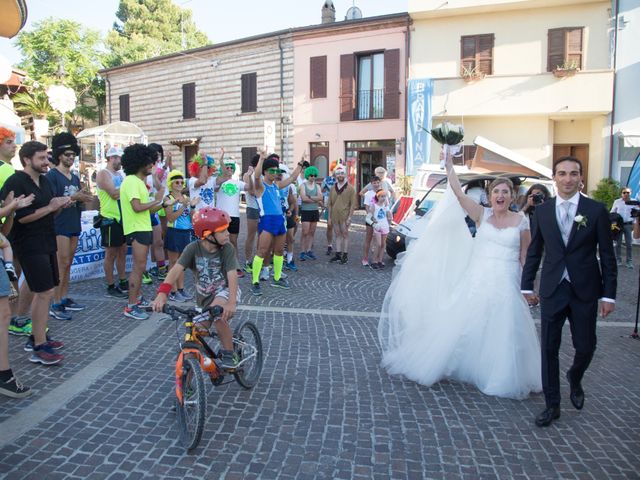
(214, 311)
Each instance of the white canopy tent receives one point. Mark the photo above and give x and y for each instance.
(96, 141)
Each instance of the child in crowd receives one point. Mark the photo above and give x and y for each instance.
(212, 258)
(381, 221)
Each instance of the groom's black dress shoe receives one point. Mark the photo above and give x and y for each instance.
(577, 394)
(548, 416)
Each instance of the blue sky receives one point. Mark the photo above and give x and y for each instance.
(221, 20)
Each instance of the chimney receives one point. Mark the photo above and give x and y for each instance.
(328, 12)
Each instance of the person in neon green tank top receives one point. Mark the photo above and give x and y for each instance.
(112, 238)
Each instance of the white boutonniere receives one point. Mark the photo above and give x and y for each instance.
(581, 220)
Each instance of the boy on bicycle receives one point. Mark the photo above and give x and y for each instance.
(212, 258)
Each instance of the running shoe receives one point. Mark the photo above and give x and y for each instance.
(240, 273)
(230, 360)
(143, 302)
(303, 256)
(58, 312)
(248, 267)
(55, 344)
(72, 306)
(123, 285)
(282, 283)
(45, 355)
(291, 266)
(115, 292)
(255, 289)
(146, 278)
(135, 312)
(14, 389)
(329, 250)
(311, 255)
(187, 296)
(162, 272)
(177, 297)
(264, 274)
(153, 271)
(20, 326)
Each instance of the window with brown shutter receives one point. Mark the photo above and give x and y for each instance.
(318, 77)
(124, 108)
(476, 54)
(249, 92)
(564, 48)
(189, 100)
(347, 80)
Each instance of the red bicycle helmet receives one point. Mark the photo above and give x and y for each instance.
(208, 220)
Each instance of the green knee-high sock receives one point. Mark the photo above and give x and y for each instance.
(256, 268)
(277, 266)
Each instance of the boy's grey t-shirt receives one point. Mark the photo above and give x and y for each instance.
(210, 269)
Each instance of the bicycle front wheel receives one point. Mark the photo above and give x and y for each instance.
(192, 409)
(247, 344)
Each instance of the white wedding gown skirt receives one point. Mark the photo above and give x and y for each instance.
(454, 308)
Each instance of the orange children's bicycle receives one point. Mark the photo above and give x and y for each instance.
(199, 356)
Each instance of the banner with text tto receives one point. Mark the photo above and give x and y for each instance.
(419, 115)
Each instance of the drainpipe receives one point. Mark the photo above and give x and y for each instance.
(281, 99)
(615, 77)
(108, 95)
(407, 55)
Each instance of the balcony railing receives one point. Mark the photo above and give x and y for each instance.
(370, 104)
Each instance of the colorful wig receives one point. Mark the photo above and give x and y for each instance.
(6, 133)
(197, 162)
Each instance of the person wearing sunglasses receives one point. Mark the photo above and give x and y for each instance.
(271, 227)
(65, 183)
(179, 230)
(228, 189)
(312, 199)
(621, 208)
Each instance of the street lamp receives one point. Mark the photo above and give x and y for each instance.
(61, 98)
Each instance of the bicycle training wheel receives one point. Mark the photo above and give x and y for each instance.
(193, 408)
(248, 346)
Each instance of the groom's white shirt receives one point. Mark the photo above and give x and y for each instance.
(572, 213)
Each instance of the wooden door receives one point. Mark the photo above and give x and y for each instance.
(319, 158)
(580, 151)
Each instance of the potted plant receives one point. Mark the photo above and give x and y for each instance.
(36, 104)
(471, 74)
(567, 69)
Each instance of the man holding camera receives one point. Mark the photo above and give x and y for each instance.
(622, 208)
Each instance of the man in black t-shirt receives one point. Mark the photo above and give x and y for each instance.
(34, 243)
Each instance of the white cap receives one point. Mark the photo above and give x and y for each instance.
(114, 152)
(283, 167)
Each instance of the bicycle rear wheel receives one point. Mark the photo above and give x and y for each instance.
(247, 344)
(193, 408)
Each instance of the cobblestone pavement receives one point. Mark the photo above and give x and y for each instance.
(322, 409)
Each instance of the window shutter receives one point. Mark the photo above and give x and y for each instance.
(555, 48)
(318, 77)
(249, 92)
(392, 83)
(124, 108)
(484, 55)
(247, 154)
(467, 53)
(347, 79)
(574, 46)
(189, 100)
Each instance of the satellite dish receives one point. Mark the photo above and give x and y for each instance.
(354, 13)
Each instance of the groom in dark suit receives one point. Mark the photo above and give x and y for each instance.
(571, 230)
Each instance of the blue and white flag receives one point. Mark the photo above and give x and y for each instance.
(419, 115)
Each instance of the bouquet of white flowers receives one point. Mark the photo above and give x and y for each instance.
(448, 135)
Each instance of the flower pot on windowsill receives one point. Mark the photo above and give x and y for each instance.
(565, 72)
(473, 78)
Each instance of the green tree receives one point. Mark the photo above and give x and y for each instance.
(607, 191)
(55, 43)
(149, 28)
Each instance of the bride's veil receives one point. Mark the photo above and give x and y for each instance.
(427, 277)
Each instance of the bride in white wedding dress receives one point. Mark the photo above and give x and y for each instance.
(454, 308)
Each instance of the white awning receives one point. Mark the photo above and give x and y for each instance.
(504, 155)
(115, 129)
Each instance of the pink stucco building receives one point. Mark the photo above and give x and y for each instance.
(349, 94)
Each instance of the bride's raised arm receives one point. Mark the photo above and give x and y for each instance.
(469, 205)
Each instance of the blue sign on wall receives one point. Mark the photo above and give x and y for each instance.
(419, 115)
